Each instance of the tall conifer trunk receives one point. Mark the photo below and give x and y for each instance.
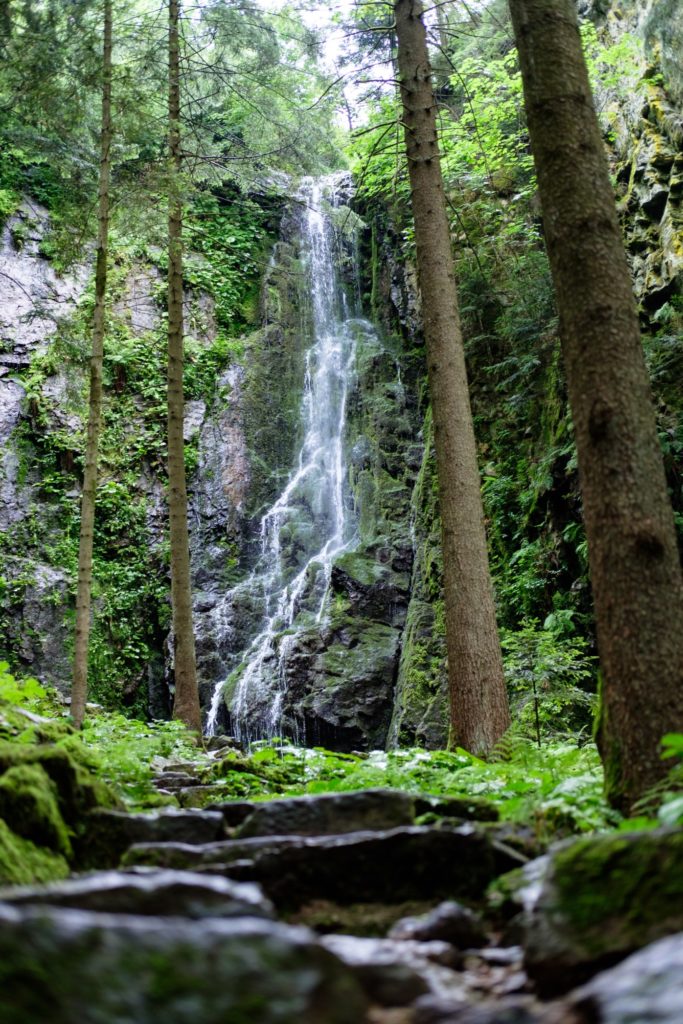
(479, 708)
(186, 704)
(79, 687)
(634, 564)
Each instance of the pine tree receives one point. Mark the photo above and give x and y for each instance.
(634, 564)
(478, 699)
(186, 703)
(79, 688)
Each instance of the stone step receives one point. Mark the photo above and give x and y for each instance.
(330, 814)
(148, 893)
(108, 834)
(410, 863)
(171, 781)
(67, 965)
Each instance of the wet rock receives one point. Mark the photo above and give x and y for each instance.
(645, 987)
(393, 973)
(330, 813)
(600, 899)
(373, 589)
(108, 834)
(72, 965)
(342, 683)
(508, 1011)
(449, 922)
(234, 812)
(434, 1009)
(161, 893)
(174, 780)
(393, 866)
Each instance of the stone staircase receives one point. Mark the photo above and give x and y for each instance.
(329, 909)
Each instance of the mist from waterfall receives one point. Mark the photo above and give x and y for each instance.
(314, 501)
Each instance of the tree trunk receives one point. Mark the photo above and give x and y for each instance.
(186, 703)
(635, 570)
(479, 707)
(79, 687)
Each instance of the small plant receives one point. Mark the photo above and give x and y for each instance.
(549, 671)
(25, 693)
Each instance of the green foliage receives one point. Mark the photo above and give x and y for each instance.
(227, 244)
(670, 811)
(548, 671)
(8, 203)
(555, 790)
(128, 752)
(26, 693)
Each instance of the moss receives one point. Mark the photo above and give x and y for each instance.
(29, 804)
(23, 863)
(623, 889)
(77, 788)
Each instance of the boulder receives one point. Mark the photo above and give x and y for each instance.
(600, 899)
(448, 922)
(395, 973)
(66, 965)
(645, 987)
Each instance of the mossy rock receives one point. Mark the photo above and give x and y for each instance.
(29, 804)
(23, 863)
(601, 899)
(78, 790)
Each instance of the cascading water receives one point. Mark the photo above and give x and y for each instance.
(313, 501)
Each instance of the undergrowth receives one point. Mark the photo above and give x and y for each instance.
(555, 789)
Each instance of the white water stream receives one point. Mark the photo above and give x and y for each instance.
(313, 501)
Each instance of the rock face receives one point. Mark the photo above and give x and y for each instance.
(647, 135)
(34, 301)
(336, 666)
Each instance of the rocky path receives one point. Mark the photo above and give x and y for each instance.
(331, 909)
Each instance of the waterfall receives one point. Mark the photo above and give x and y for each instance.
(313, 502)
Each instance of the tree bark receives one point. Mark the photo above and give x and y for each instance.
(634, 563)
(478, 699)
(79, 686)
(186, 703)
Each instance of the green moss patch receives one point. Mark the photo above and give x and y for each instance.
(623, 890)
(23, 863)
(29, 800)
